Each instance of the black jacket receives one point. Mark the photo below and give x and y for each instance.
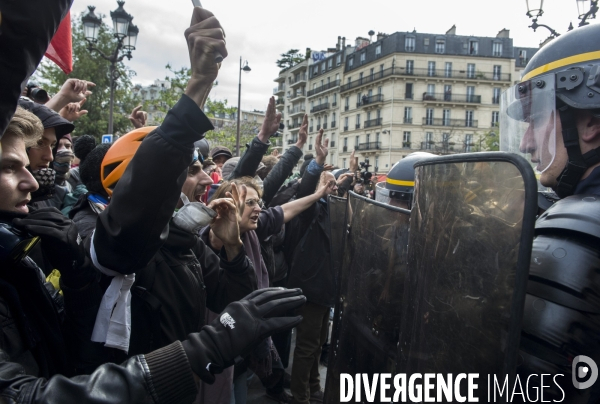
(251, 159)
(26, 30)
(307, 248)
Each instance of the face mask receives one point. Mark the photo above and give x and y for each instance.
(193, 215)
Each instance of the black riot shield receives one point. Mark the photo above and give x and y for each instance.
(337, 223)
(471, 232)
(367, 321)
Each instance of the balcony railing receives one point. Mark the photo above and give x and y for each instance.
(407, 120)
(297, 94)
(369, 146)
(441, 73)
(466, 123)
(408, 96)
(346, 107)
(333, 104)
(373, 122)
(366, 101)
(332, 144)
(345, 129)
(297, 110)
(357, 126)
(298, 80)
(449, 97)
(295, 125)
(280, 101)
(319, 127)
(320, 107)
(496, 100)
(322, 88)
(325, 125)
(279, 89)
(345, 149)
(333, 124)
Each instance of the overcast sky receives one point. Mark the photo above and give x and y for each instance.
(261, 30)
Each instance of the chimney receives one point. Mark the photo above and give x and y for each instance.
(371, 33)
(451, 31)
(344, 42)
(504, 33)
(339, 43)
(380, 36)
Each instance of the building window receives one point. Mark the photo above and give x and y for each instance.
(428, 140)
(426, 41)
(406, 139)
(446, 117)
(346, 123)
(334, 99)
(345, 142)
(497, 49)
(360, 77)
(495, 118)
(372, 73)
(332, 119)
(343, 163)
(497, 72)
(358, 99)
(377, 161)
(409, 44)
(445, 138)
(356, 141)
(323, 67)
(316, 70)
(381, 70)
(338, 60)
(377, 137)
(468, 142)
(431, 90)
(522, 57)
(378, 50)
(473, 47)
(440, 45)
(363, 57)
(351, 61)
(429, 116)
(408, 93)
(357, 121)
(410, 66)
(330, 64)
(448, 69)
(347, 106)
(245, 117)
(368, 138)
(368, 116)
(407, 114)
(470, 93)
(471, 70)
(469, 119)
(431, 68)
(496, 96)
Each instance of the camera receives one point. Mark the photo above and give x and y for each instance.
(37, 94)
(366, 175)
(278, 133)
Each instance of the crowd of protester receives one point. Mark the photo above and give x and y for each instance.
(156, 268)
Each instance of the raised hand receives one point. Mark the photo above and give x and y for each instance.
(205, 37)
(271, 123)
(303, 133)
(353, 162)
(72, 111)
(138, 118)
(73, 90)
(327, 189)
(321, 148)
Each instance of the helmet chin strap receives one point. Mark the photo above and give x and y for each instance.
(577, 163)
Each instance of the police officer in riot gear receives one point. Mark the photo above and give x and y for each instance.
(553, 115)
(399, 185)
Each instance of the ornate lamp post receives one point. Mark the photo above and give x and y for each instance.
(126, 34)
(585, 8)
(246, 68)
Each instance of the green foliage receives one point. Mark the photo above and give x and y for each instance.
(92, 67)
(225, 134)
(289, 59)
(488, 141)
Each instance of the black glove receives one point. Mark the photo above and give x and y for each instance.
(241, 326)
(61, 243)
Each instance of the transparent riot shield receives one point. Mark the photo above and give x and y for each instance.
(371, 276)
(471, 232)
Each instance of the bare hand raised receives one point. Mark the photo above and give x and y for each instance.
(321, 148)
(271, 123)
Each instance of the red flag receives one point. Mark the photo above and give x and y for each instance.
(60, 50)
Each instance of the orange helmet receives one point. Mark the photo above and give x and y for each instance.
(119, 155)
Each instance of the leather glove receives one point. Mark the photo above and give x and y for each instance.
(61, 243)
(62, 164)
(241, 326)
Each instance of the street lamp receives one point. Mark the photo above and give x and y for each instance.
(246, 68)
(585, 9)
(126, 34)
